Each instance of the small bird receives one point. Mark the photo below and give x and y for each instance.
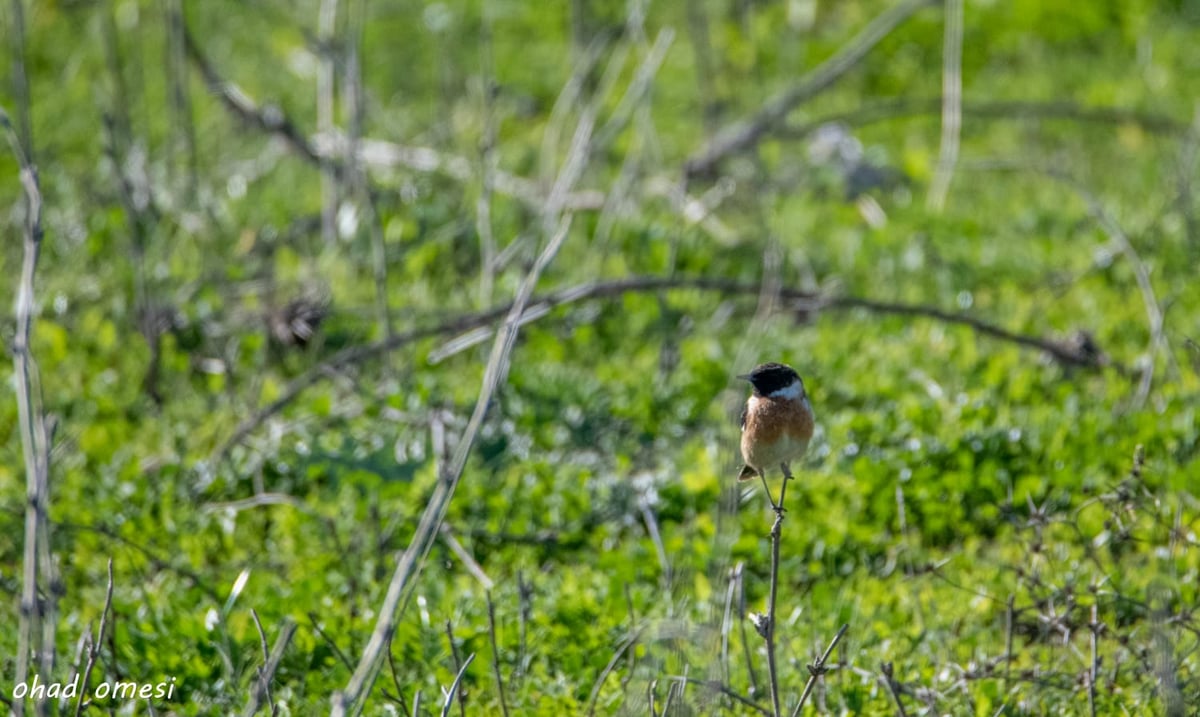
(777, 422)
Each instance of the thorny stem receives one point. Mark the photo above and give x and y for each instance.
(769, 622)
(818, 668)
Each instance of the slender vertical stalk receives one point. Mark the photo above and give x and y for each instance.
(354, 171)
(458, 666)
(1009, 624)
(94, 646)
(496, 653)
(487, 161)
(454, 687)
(326, 22)
(767, 627)
(951, 104)
(1095, 627)
(183, 126)
(29, 409)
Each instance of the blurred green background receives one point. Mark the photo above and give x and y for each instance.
(279, 237)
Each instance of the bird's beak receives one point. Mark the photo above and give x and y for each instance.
(744, 376)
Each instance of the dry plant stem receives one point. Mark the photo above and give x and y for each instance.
(747, 133)
(396, 683)
(1154, 312)
(883, 111)
(330, 148)
(698, 32)
(326, 20)
(631, 101)
(458, 665)
(454, 687)
(525, 612)
(182, 124)
(359, 183)
(725, 690)
(671, 689)
(1094, 626)
(626, 644)
(351, 699)
(1118, 237)
(496, 653)
(487, 162)
(348, 701)
(269, 119)
(727, 619)
(567, 100)
(631, 655)
(266, 651)
(93, 650)
(951, 104)
(746, 649)
(660, 548)
(538, 307)
(467, 559)
(1009, 625)
(889, 679)
(329, 641)
(818, 668)
(262, 685)
(153, 559)
(769, 632)
(29, 410)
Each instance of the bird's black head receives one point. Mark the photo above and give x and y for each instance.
(768, 378)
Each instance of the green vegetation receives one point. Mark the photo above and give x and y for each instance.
(972, 506)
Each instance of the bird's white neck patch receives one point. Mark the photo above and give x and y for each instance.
(793, 390)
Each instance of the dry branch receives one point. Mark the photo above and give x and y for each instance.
(262, 681)
(326, 149)
(888, 675)
(333, 149)
(1117, 236)
(884, 111)
(35, 616)
(818, 668)
(331, 189)
(725, 690)
(491, 606)
(349, 701)
(1064, 351)
(747, 133)
(93, 647)
(156, 561)
(951, 103)
(270, 118)
(625, 645)
(767, 624)
(183, 126)
(454, 687)
(458, 666)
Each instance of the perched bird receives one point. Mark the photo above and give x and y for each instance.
(777, 422)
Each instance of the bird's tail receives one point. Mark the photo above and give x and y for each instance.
(747, 473)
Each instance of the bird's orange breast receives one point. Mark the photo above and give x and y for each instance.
(777, 431)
